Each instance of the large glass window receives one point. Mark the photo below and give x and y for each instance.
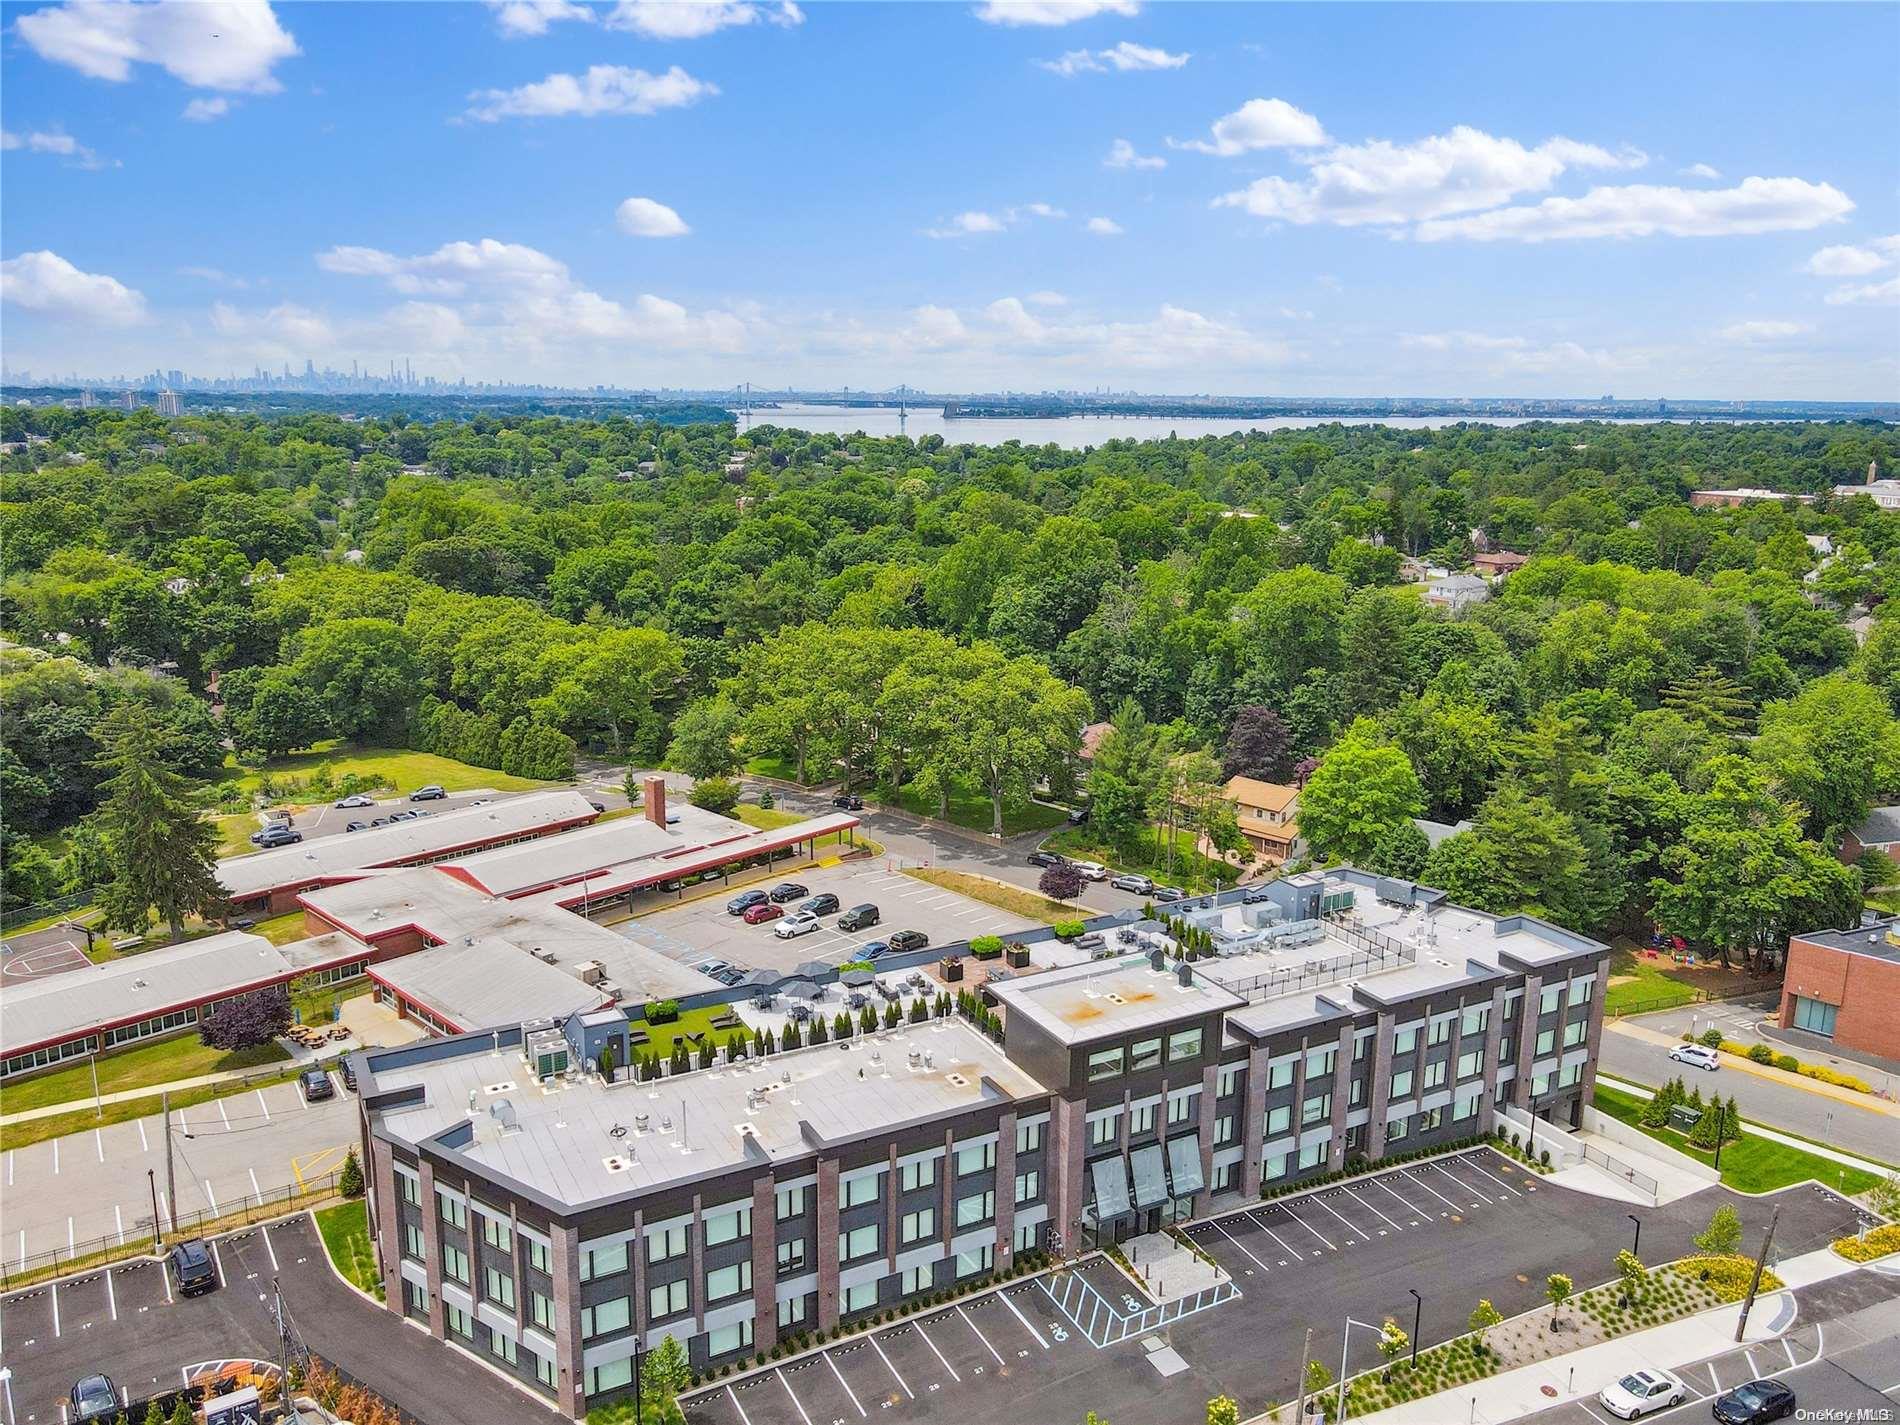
(1404, 1042)
(454, 1263)
(728, 1226)
(1402, 1084)
(867, 1187)
(1815, 1016)
(604, 1318)
(667, 1299)
(729, 1281)
(1184, 1044)
(1141, 1118)
(791, 1256)
(791, 1202)
(1280, 1075)
(663, 1245)
(499, 1287)
(1319, 1062)
(1105, 1064)
(1279, 1120)
(977, 1158)
(1316, 1109)
(977, 1207)
(1144, 1054)
(1028, 1137)
(858, 1242)
(920, 1174)
(916, 1226)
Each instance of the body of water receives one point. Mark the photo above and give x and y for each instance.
(1071, 432)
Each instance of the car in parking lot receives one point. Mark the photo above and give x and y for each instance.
(1044, 858)
(744, 901)
(347, 1072)
(95, 1398)
(430, 793)
(355, 799)
(406, 816)
(873, 949)
(798, 923)
(1129, 881)
(192, 1268)
(859, 917)
(906, 940)
(787, 891)
(848, 801)
(356, 826)
(713, 967)
(762, 912)
(1167, 895)
(1092, 870)
(379, 821)
(824, 903)
(1640, 1392)
(1756, 1401)
(278, 835)
(1696, 1056)
(316, 1085)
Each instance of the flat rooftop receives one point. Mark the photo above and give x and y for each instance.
(404, 841)
(1110, 997)
(581, 1141)
(598, 850)
(1879, 941)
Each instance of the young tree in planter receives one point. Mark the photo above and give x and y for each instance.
(1060, 882)
(1723, 1234)
(1223, 1410)
(1635, 1276)
(247, 1020)
(1483, 1317)
(1557, 1287)
(665, 1374)
(1393, 1343)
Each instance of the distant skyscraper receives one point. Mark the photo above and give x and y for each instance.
(128, 400)
(169, 404)
(87, 400)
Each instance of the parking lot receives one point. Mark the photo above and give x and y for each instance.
(84, 1187)
(1457, 1228)
(701, 930)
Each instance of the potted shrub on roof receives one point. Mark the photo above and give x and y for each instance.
(951, 968)
(1016, 955)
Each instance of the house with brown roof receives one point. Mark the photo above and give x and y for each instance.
(1500, 562)
(1268, 814)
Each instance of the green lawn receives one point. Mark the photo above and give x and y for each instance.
(970, 807)
(345, 1231)
(282, 929)
(398, 768)
(58, 1125)
(1641, 983)
(1750, 1164)
(693, 1021)
(1191, 871)
(1031, 905)
(782, 768)
(142, 1066)
(772, 818)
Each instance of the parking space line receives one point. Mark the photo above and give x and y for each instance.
(56, 1157)
(261, 1104)
(256, 1191)
(938, 1354)
(1237, 1243)
(99, 1144)
(1352, 1225)
(979, 1335)
(1592, 1412)
(144, 1147)
(1309, 1227)
(1460, 1181)
(22, 1249)
(119, 1218)
(1024, 1319)
(1420, 1180)
(211, 1195)
(843, 1382)
(1754, 1371)
(55, 1289)
(1715, 1378)
(1396, 1198)
(225, 1116)
(1483, 1168)
(891, 1368)
(731, 1395)
(112, 1299)
(1276, 1237)
(794, 1395)
(1790, 1350)
(218, 1257)
(268, 1248)
(166, 1278)
(1373, 1210)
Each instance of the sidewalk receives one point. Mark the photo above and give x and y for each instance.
(1766, 1071)
(1761, 1130)
(1580, 1375)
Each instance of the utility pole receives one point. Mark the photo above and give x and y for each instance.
(1306, 1354)
(283, 1352)
(1754, 1282)
(98, 1105)
(158, 1239)
(171, 1179)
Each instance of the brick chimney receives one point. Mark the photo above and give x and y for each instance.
(655, 800)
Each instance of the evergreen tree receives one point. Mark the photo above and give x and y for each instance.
(159, 845)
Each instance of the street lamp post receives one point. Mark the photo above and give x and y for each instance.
(1636, 1247)
(1418, 1314)
(1345, 1342)
(1721, 1131)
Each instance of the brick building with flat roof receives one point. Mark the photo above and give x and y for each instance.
(1843, 988)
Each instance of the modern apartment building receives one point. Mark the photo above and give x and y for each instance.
(546, 1220)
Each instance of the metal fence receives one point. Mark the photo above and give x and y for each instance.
(1103, 1324)
(139, 1240)
(1642, 1182)
(27, 914)
(1650, 1006)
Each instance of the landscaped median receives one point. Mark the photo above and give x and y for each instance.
(1751, 1163)
(1031, 905)
(345, 1232)
(1870, 1246)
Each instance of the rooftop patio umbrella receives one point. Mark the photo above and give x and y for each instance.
(804, 989)
(855, 978)
(812, 970)
(759, 979)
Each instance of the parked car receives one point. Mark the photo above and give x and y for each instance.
(873, 950)
(712, 968)
(799, 923)
(824, 903)
(1758, 1400)
(744, 901)
(1696, 1056)
(1167, 895)
(1092, 870)
(396, 816)
(859, 917)
(192, 1268)
(277, 836)
(762, 912)
(1044, 858)
(787, 891)
(316, 1085)
(379, 821)
(347, 1072)
(1129, 881)
(598, 806)
(356, 826)
(1640, 1392)
(1078, 816)
(430, 793)
(848, 801)
(355, 799)
(903, 941)
(95, 1398)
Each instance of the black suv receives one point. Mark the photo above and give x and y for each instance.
(279, 835)
(858, 917)
(1044, 858)
(95, 1398)
(904, 940)
(316, 1085)
(848, 801)
(744, 901)
(193, 1268)
(824, 903)
(787, 891)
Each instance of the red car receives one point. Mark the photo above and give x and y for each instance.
(759, 914)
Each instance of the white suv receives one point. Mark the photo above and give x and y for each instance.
(1697, 1056)
(1091, 870)
(801, 923)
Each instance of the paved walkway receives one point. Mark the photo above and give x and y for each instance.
(299, 1057)
(1762, 1131)
(1581, 1374)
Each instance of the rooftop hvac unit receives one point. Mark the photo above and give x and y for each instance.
(607, 988)
(591, 971)
(546, 1051)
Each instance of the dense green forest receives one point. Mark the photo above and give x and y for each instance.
(1666, 715)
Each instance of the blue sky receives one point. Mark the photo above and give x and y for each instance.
(1356, 199)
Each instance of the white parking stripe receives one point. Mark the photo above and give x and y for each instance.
(166, 1277)
(1396, 1198)
(1460, 1181)
(1716, 1378)
(1352, 1225)
(892, 1369)
(794, 1395)
(256, 1191)
(218, 1257)
(1238, 1247)
(211, 1195)
(980, 1336)
(1276, 1237)
(1483, 1168)
(144, 1147)
(268, 1248)
(1303, 1222)
(99, 1144)
(1024, 1319)
(1790, 1350)
(744, 1419)
(1373, 1210)
(119, 1218)
(56, 1308)
(1754, 1371)
(56, 1157)
(938, 1354)
(225, 1116)
(22, 1249)
(112, 1299)
(1420, 1181)
(843, 1382)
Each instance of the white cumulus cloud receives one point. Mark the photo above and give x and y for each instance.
(1866, 294)
(1049, 13)
(1756, 205)
(231, 45)
(1126, 57)
(53, 141)
(1702, 170)
(978, 223)
(603, 89)
(644, 217)
(204, 111)
(693, 19)
(1122, 154)
(523, 19)
(1257, 124)
(46, 282)
(1104, 227)
(1753, 332)
(1847, 260)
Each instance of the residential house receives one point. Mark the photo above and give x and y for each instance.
(1456, 592)
(1499, 563)
(1268, 813)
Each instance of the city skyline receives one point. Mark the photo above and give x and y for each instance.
(1173, 199)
